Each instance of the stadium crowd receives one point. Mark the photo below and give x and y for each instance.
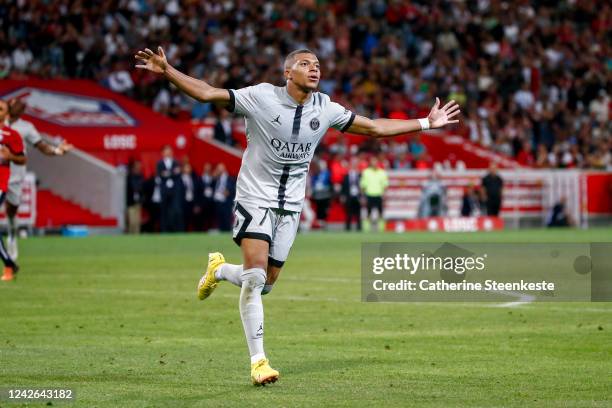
(533, 77)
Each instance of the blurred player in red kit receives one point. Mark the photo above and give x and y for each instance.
(29, 135)
(11, 150)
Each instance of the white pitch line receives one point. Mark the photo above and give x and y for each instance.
(570, 309)
(523, 299)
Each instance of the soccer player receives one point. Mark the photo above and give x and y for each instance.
(11, 151)
(29, 134)
(284, 125)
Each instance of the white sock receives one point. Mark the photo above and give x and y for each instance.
(257, 357)
(230, 273)
(251, 310)
(12, 228)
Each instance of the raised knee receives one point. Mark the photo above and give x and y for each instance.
(253, 278)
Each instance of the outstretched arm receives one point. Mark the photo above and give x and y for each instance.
(195, 88)
(50, 150)
(438, 117)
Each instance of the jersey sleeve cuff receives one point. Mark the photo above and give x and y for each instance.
(349, 123)
(231, 106)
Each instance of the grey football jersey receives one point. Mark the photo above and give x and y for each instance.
(29, 134)
(282, 136)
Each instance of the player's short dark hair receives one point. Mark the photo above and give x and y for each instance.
(291, 56)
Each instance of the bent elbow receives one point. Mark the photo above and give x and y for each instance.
(203, 96)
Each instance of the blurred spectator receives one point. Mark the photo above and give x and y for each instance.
(223, 127)
(169, 102)
(5, 64)
(340, 146)
(22, 57)
(338, 168)
(374, 182)
(114, 41)
(351, 196)
(190, 185)
(70, 49)
(541, 160)
(119, 80)
(602, 158)
(152, 204)
(207, 207)
(478, 129)
(135, 197)
(321, 191)
(523, 97)
(417, 148)
(162, 103)
(383, 161)
(223, 197)
(470, 202)
(423, 163)
(402, 162)
(525, 156)
(433, 198)
(559, 217)
(600, 107)
(493, 185)
(171, 204)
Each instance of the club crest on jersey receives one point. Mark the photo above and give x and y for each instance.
(314, 124)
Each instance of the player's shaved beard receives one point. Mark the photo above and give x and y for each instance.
(303, 88)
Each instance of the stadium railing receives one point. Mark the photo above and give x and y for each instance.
(528, 195)
(83, 179)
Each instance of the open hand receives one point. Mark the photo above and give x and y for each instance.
(63, 148)
(153, 62)
(439, 117)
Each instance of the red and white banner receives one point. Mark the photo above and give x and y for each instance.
(526, 194)
(98, 121)
(523, 192)
(447, 224)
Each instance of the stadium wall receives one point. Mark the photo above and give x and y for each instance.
(527, 199)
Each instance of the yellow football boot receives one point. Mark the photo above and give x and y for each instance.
(262, 373)
(209, 282)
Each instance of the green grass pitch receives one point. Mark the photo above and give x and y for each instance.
(117, 320)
